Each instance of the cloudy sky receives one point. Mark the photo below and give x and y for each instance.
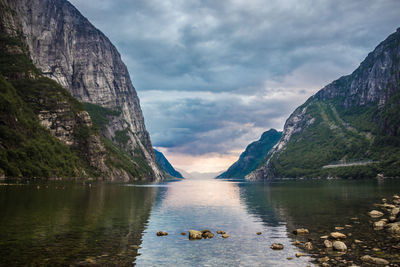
(213, 75)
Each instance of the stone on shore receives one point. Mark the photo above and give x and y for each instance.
(298, 255)
(194, 234)
(220, 232)
(277, 246)
(380, 224)
(394, 212)
(324, 259)
(338, 228)
(339, 246)
(372, 260)
(328, 244)
(337, 235)
(161, 233)
(301, 231)
(393, 228)
(259, 233)
(375, 214)
(225, 235)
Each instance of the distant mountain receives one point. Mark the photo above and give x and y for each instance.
(254, 154)
(164, 165)
(349, 129)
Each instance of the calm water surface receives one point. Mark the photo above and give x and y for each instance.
(74, 224)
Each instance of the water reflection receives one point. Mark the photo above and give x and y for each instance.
(72, 224)
(215, 205)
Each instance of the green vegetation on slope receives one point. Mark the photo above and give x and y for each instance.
(254, 154)
(100, 115)
(340, 135)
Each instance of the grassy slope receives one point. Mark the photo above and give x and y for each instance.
(26, 148)
(342, 134)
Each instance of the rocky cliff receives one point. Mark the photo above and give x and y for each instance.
(347, 124)
(65, 47)
(253, 156)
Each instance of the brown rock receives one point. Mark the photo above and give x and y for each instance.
(161, 233)
(301, 231)
(324, 259)
(194, 234)
(225, 235)
(337, 235)
(183, 233)
(328, 244)
(277, 246)
(259, 233)
(339, 245)
(375, 214)
(220, 232)
(372, 260)
(298, 255)
(308, 246)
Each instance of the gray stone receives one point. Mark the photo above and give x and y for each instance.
(327, 244)
(339, 245)
(372, 260)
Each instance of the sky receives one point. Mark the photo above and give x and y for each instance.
(212, 76)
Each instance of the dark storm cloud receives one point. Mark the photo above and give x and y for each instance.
(196, 63)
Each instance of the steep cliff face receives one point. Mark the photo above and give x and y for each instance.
(67, 48)
(347, 124)
(254, 154)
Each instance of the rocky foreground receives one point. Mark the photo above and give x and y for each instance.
(371, 241)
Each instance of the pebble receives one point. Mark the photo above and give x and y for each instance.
(375, 214)
(161, 233)
(277, 246)
(301, 231)
(337, 235)
(308, 246)
(298, 255)
(259, 233)
(225, 235)
(372, 260)
(339, 245)
(327, 244)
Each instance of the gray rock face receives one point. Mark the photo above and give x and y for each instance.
(373, 82)
(70, 50)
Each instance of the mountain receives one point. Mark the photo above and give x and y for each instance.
(254, 154)
(164, 165)
(61, 73)
(349, 129)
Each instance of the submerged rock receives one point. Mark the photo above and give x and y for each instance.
(194, 234)
(225, 235)
(301, 231)
(393, 228)
(380, 224)
(339, 245)
(298, 255)
(220, 232)
(375, 214)
(328, 244)
(337, 235)
(308, 246)
(259, 233)
(324, 259)
(183, 233)
(277, 246)
(372, 260)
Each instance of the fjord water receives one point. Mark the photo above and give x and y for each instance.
(75, 224)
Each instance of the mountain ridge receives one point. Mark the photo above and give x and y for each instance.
(352, 118)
